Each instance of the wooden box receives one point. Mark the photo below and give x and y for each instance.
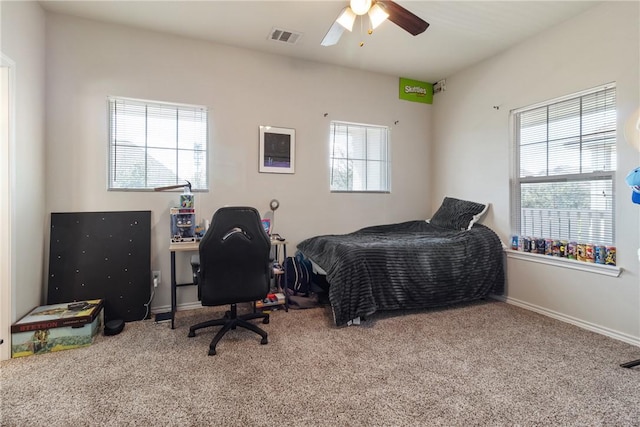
(56, 327)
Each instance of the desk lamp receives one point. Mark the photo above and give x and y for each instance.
(187, 187)
(274, 204)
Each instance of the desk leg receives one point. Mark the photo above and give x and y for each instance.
(173, 288)
(284, 288)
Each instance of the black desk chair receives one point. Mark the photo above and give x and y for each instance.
(234, 267)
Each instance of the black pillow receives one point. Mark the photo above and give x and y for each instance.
(457, 214)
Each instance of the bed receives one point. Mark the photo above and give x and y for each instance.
(446, 260)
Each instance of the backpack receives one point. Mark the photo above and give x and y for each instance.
(298, 274)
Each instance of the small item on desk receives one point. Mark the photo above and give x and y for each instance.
(266, 224)
(277, 269)
(277, 237)
(201, 229)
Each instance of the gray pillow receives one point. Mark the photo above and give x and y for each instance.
(458, 214)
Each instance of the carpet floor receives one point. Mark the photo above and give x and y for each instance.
(482, 364)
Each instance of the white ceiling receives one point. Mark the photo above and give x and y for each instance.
(461, 33)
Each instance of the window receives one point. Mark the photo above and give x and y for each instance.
(153, 144)
(565, 168)
(359, 157)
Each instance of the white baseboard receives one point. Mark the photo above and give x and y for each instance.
(572, 320)
(541, 310)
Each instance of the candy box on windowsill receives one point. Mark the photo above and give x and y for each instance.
(56, 327)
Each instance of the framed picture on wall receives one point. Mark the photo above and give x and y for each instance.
(277, 150)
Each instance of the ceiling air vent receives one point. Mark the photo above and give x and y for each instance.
(284, 36)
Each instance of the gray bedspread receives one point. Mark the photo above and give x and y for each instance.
(408, 265)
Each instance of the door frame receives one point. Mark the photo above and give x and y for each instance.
(7, 205)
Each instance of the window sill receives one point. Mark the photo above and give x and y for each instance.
(607, 270)
(361, 191)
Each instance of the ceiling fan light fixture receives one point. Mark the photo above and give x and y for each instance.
(360, 7)
(377, 15)
(378, 11)
(346, 18)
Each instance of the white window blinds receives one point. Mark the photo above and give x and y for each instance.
(565, 168)
(153, 144)
(359, 157)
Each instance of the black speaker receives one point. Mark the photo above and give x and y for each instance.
(113, 327)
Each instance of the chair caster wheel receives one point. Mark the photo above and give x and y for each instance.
(265, 321)
(191, 334)
(212, 352)
(264, 341)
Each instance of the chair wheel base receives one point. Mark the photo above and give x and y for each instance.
(265, 321)
(231, 321)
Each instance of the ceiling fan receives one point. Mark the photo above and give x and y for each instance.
(378, 11)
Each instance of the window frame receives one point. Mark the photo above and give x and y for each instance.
(386, 161)
(146, 103)
(517, 181)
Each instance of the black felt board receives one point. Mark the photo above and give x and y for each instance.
(102, 255)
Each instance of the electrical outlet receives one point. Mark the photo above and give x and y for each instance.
(156, 275)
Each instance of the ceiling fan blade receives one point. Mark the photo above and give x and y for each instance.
(335, 32)
(403, 18)
(333, 35)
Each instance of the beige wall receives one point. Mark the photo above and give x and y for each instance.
(472, 138)
(22, 40)
(87, 61)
